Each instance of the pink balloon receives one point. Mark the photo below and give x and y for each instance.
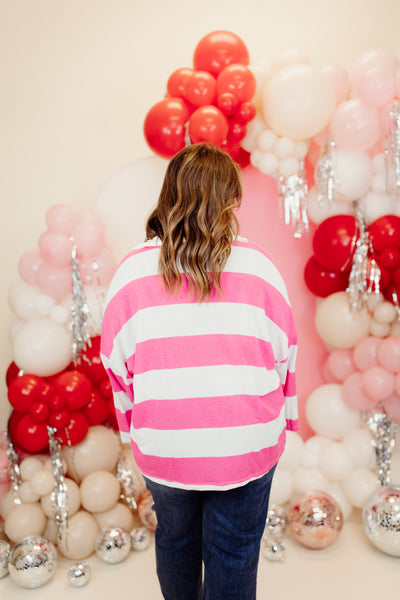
(61, 218)
(88, 238)
(340, 363)
(397, 83)
(385, 117)
(377, 383)
(28, 266)
(365, 353)
(55, 248)
(354, 395)
(392, 407)
(373, 58)
(376, 86)
(388, 354)
(339, 79)
(91, 218)
(54, 281)
(355, 127)
(98, 270)
(397, 384)
(327, 375)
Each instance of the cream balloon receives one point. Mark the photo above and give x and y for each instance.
(358, 445)
(29, 466)
(359, 486)
(51, 531)
(98, 451)
(126, 201)
(290, 57)
(305, 479)
(42, 482)
(375, 205)
(42, 347)
(337, 325)
(282, 486)
(81, 537)
(335, 490)
(26, 493)
(291, 455)
(335, 462)
(117, 516)
(318, 211)
(298, 101)
(327, 413)
(100, 491)
(352, 174)
(24, 520)
(73, 500)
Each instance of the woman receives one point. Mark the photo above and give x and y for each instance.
(199, 343)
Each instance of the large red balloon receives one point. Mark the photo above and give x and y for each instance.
(200, 88)
(323, 282)
(75, 431)
(164, 126)
(237, 80)
(208, 124)
(76, 389)
(385, 233)
(217, 50)
(31, 436)
(25, 390)
(176, 82)
(334, 242)
(91, 363)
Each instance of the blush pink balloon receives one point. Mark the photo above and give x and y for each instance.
(385, 116)
(339, 79)
(54, 281)
(327, 375)
(28, 266)
(392, 407)
(354, 395)
(377, 383)
(340, 363)
(365, 353)
(91, 218)
(397, 83)
(55, 248)
(376, 86)
(373, 58)
(61, 218)
(355, 127)
(397, 384)
(99, 269)
(89, 239)
(388, 354)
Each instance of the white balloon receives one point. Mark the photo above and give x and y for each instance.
(378, 163)
(59, 314)
(43, 305)
(268, 164)
(309, 479)
(337, 325)
(377, 204)
(282, 487)
(266, 140)
(126, 201)
(327, 413)
(288, 166)
(301, 149)
(335, 490)
(42, 347)
(318, 213)
(385, 312)
(358, 445)
(359, 486)
(290, 57)
(254, 128)
(378, 329)
(352, 174)
(335, 462)
(291, 455)
(284, 147)
(262, 71)
(24, 303)
(378, 183)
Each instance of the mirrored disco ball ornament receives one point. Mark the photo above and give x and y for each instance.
(381, 519)
(78, 574)
(113, 545)
(276, 522)
(32, 562)
(315, 519)
(140, 538)
(4, 557)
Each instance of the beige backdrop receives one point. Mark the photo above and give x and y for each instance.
(78, 76)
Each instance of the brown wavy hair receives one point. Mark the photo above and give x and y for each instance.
(195, 219)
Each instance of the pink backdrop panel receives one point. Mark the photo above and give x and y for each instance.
(260, 222)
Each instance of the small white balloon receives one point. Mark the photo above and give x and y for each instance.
(268, 164)
(284, 147)
(29, 466)
(335, 462)
(335, 490)
(43, 305)
(290, 57)
(282, 487)
(385, 313)
(327, 413)
(379, 163)
(26, 493)
(254, 128)
(376, 204)
(352, 174)
(378, 183)
(301, 149)
(377, 329)
(358, 445)
(24, 520)
(305, 479)
(291, 455)
(359, 486)
(42, 482)
(266, 140)
(59, 314)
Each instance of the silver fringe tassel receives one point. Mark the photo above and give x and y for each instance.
(79, 312)
(293, 192)
(15, 475)
(383, 438)
(392, 152)
(324, 174)
(59, 495)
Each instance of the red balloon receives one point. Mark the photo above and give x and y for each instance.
(237, 80)
(105, 388)
(75, 431)
(31, 436)
(11, 373)
(236, 131)
(176, 82)
(334, 242)
(200, 88)
(76, 389)
(385, 233)
(240, 156)
(245, 112)
(218, 49)
(112, 418)
(59, 419)
(227, 103)
(164, 126)
(91, 363)
(24, 390)
(208, 124)
(322, 282)
(97, 409)
(389, 258)
(39, 411)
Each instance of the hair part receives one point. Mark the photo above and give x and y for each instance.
(195, 219)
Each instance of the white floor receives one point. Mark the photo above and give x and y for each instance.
(352, 567)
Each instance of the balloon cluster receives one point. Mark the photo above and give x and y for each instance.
(69, 402)
(207, 103)
(94, 495)
(41, 298)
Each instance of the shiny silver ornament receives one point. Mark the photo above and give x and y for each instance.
(275, 549)
(293, 192)
(276, 522)
(381, 519)
(140, 538)
(32, 562)
(113, 545)
(78, 574)
(4, 557)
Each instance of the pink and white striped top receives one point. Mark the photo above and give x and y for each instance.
(203, 392)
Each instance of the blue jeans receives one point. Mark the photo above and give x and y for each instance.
(221, 529)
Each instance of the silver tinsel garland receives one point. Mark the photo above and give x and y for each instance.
(125, 477)
(392, 151)
(15, 475)
(79, 312)
(383, 438)
(324, 174)
(59, 495)
(293, 192)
